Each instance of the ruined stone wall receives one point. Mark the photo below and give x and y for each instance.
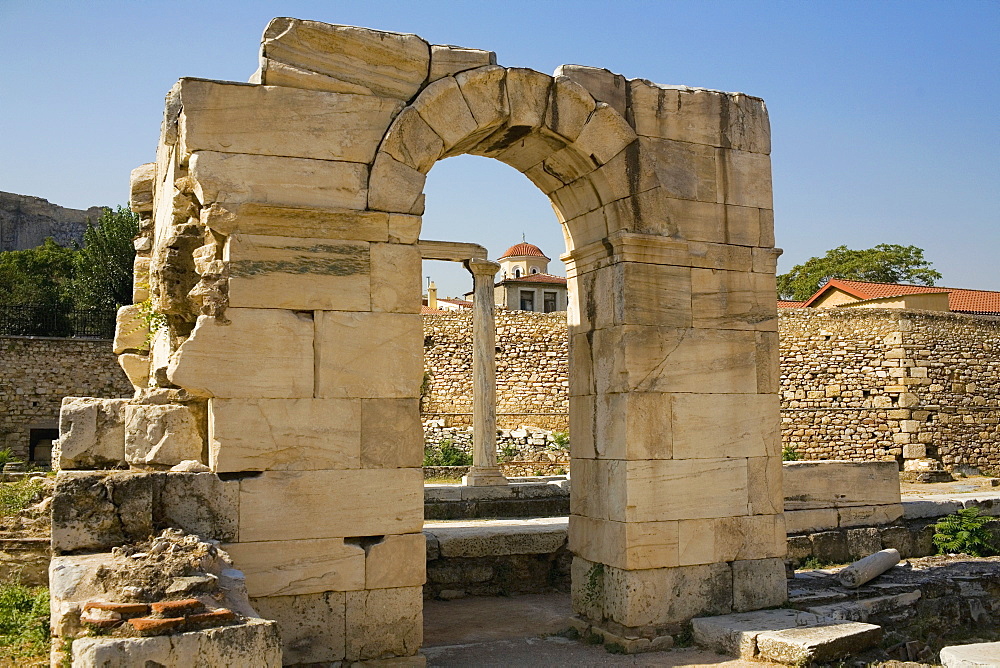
(36, 373)
(890, 384)
(532, 369)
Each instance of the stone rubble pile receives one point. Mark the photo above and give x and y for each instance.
(524, 444)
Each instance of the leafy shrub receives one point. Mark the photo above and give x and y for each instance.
(508, 453)
(445, 453)
(560, 440)
(964, 532)
(24, 621)
(7, 457)
(788, 454)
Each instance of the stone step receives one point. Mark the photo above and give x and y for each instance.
(979, 655)
(784, 636)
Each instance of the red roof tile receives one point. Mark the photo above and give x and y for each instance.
(523, 249)
(784, 303)
(959, 300)
(536, 278)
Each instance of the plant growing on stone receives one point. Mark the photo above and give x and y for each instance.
(560, 440)
(594, 589)
(788, 454)
(508, 453)
(446, 453)
(24, 622)
(18, 495)
(7, 456)
(151, 319)
(964, 532)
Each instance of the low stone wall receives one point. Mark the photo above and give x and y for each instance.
(531, 362)
(25, 560)
(38, 372)
(832, 494)
(518, 499)
(500, 558)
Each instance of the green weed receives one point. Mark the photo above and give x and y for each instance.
(964, 532)
(24, 621)
(18, 495)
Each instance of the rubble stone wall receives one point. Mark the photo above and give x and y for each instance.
(890, 384)
(532, 369)
(36, 373)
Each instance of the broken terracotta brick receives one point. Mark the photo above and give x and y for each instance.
(212, 617)
(177, 607)
(100, 622)
(120, 608)
(152, 627)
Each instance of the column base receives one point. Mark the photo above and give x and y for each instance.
(629, 644)
(479, 476)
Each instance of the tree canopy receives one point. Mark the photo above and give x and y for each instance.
(885, 263)
(95, 276)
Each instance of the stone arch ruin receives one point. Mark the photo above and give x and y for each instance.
(280, 260)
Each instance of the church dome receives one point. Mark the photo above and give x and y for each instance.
(524, 249)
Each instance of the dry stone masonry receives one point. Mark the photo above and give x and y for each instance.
(909, 386)
(277, 320)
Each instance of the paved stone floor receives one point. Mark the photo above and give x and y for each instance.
(516, 631)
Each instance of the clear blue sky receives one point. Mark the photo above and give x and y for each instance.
(884, 115)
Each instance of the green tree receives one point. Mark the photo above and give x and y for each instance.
(885, 263)
(103, 267)
(36, 276)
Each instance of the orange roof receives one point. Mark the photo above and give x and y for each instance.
(427, 310)
(784, 303)
(959, 299)
(524, 249)
(536, 278)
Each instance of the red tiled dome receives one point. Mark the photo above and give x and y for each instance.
(524, 248)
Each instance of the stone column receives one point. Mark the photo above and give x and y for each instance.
(484, 469)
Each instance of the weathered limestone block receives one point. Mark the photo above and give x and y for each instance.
(570, 105)
(604, 85)
(311, 626)
(484, 90)
(528, 96)
(660, 490)
(72, 581)
(292, 221)
(733, 300)
(391, 434)
(764, 482)
(629, 545)
(140, 279)
(236, 178)
(197, 503)
(730, 539)
(278, 121)
(141, 188)
(384, 622)
(685, 171)
(394, 186)
(725, 425)
(292, 568)
(660, 359)
(448, 60)
(747, 179)
(604, 135)
(254, 642)
(404, 229)
(445, 110)
(395, 278)
(396, 561)
(235, 360)
(693, 115)
(285, 434)
(634, 425)
(411, 141)
(298, 273)
(363, 502)
(368, 355)
(161, 435)
(348, 59)
(91, 433)
(95, 511)
(855, 516)
(651, 597)
(839, 484)
(131, 330)
(759, 583)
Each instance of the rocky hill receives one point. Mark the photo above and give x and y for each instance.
(26, 221)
